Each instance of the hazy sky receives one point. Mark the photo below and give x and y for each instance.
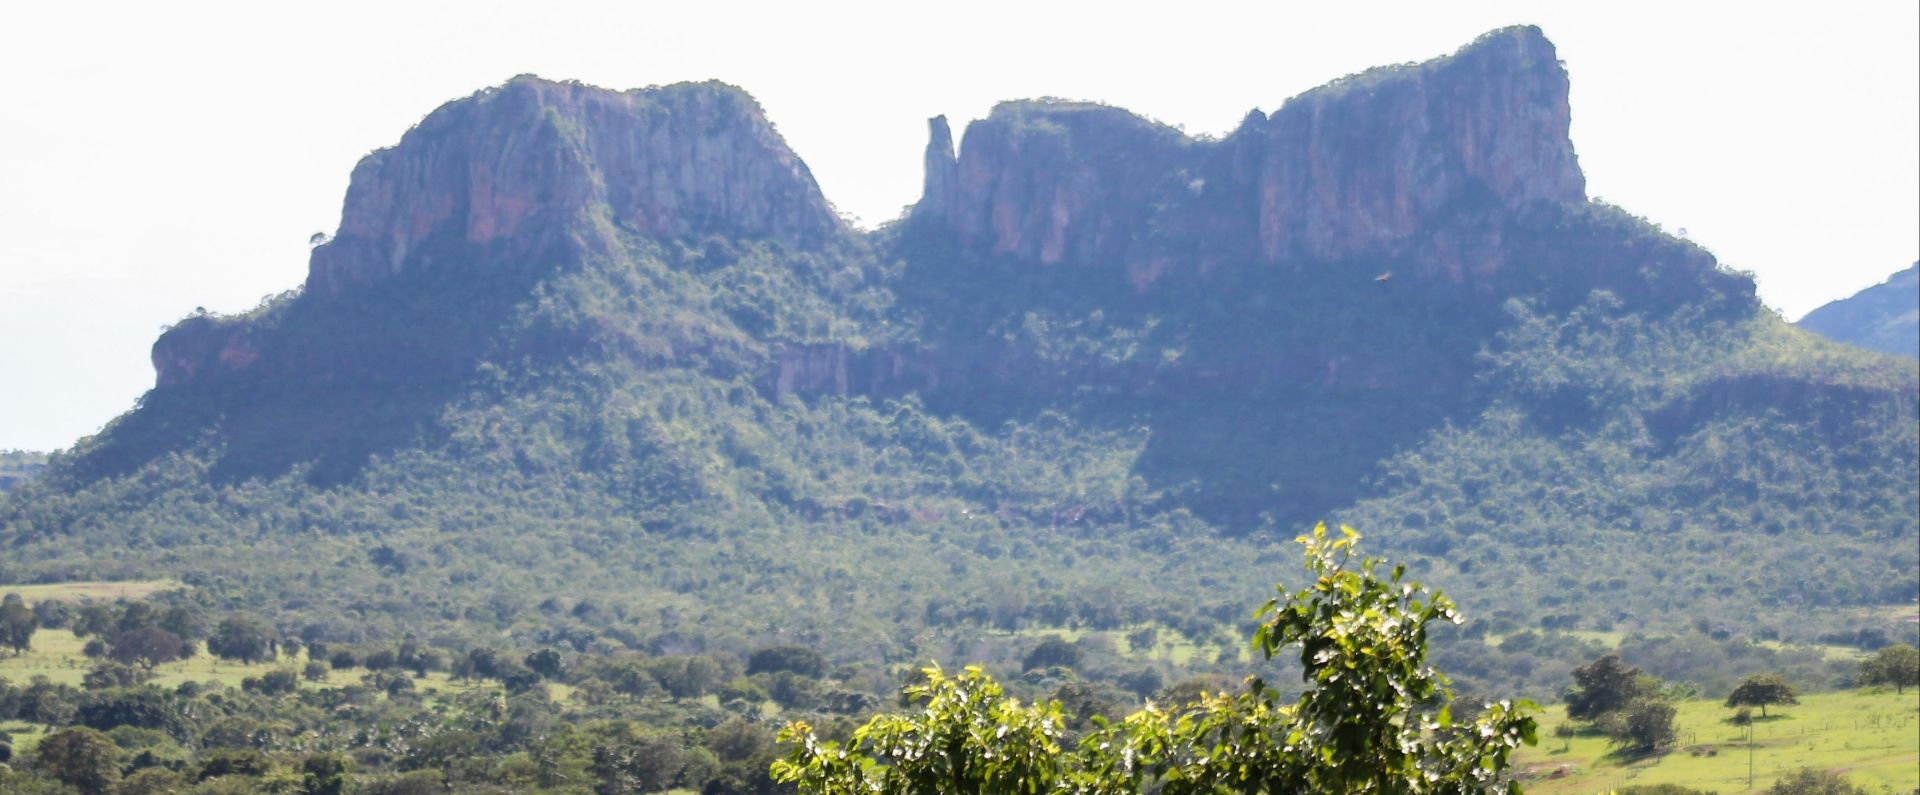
(158, 157)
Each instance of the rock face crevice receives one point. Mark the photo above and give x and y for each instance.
(1349, 170)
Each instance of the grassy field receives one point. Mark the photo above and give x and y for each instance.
(1826, 650)
(56, 654)
(1612, 640)
(81, 591)
(1871, 736)
(1169, 644)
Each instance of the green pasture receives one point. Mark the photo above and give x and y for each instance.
(1169, 646)
(82, 591)
(1873, 736)
(56, 654)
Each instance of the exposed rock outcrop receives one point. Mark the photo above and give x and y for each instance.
(533, 160)
(1370, 159)
(1349, 170)
(943, 169)
(1426, 167)
(835, 369)
(202, 347)
(1052, 181)
(536, 173)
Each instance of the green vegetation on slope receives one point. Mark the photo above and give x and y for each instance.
(612, 440)
(19, 466)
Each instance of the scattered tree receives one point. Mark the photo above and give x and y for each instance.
(53, 613)
(1603, 686)
(17, 624)
(273, 683)
(242, 638)
(1053, 651)
(1643, 727)
(112, 674)
(1897, 665)
(798, 659)
(147, 647)
(545, 662)
(326, 774)
(1759, 690)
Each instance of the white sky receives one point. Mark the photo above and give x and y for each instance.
(158, 157)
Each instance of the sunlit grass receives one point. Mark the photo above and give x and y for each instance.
(1169, 645)
(1871, 736)
(57, 655)
(80, 591)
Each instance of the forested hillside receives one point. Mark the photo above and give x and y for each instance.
(602, 372)
(19, 466)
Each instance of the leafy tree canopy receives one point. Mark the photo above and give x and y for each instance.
(1760, 690)
(1897, 665)
(1603, 686)
(1374, 717)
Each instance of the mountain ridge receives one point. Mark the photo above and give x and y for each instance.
(729, 420)
(1490, 119)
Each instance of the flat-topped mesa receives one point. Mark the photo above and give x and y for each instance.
(1343, 171)
(534, 159)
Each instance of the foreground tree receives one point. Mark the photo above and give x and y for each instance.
(1897, 665)
(1374, 718)
(1759, 690)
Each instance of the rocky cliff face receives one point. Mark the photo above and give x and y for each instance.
(536, 173)
(1051, 181)
(203, 347)
(533, 159)
(1354, 169)
(1418, 170)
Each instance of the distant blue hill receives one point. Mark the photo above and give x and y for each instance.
(1884, 317)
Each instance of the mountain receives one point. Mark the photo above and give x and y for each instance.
(614, 350)
(1884, 317)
